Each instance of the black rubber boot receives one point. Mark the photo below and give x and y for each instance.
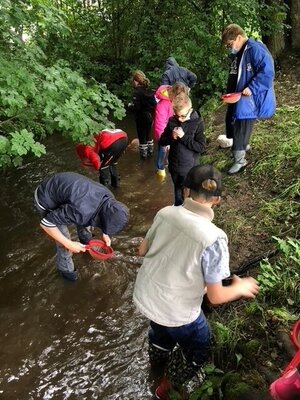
(150, 148)
(158, 357)
(104, 176)
(143, 151)
(115, 178)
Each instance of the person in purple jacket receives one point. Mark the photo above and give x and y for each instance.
(252, 73)
(68, 198)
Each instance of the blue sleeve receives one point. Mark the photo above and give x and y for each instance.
(264, 70)
(215, 262)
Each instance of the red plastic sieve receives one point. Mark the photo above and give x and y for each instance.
(99, 250)
(231, 98)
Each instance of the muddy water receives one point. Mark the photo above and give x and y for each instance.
(82, 340)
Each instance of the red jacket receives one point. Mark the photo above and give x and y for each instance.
(89, 155)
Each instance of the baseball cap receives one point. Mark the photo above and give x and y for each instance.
(204, 179)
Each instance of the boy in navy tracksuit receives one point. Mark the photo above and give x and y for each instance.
(68, 198)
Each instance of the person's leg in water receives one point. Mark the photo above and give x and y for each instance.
(160, 161)
(242, 130)
(64, 260)
(116, 150)
(142, 136)
(106, 157)
(161, 345)
(178, 181)
(185, 362)
(148, 120)
(104, 175)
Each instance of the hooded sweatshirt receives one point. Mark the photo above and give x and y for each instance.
(163, 111)
(174, 73)
(70, 198)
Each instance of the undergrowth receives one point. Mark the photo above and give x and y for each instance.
(245, 331)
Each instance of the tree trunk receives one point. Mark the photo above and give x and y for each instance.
(295, 23)
(275, 41)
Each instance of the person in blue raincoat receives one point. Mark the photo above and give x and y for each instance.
(252, 73)
(174, 73)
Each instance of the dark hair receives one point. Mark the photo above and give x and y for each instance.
(205, 181)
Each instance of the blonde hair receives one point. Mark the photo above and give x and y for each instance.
(139, 77)
(180, 102)
(231, 32)
(177, 89)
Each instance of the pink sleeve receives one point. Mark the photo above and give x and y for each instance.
(163, 111)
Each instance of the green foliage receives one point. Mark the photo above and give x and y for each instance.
(48, 83)
(37, 99)
(222, 333)
(211, 386)
(18, 144)
(113, 38)
(279, 283)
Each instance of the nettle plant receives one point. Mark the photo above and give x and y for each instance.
(280, 282)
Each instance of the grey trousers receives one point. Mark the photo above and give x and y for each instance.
(64, 260)
(241, 132)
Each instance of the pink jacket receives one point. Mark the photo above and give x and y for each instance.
(163, 111)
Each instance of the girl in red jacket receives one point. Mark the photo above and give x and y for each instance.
(109, 145)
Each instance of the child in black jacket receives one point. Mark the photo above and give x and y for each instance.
(184, 134)
(143, 106)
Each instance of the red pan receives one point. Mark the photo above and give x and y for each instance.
(231, 98)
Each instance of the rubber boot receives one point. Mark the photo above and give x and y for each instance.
(104, 176)
(150, 148)
(161, 175)
(115, 178)
(239, 161)
(157, 356)
(143, 151)
(287, 387)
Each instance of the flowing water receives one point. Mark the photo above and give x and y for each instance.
(82, 340)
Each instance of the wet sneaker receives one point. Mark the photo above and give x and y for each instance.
(70, 276)
(287, 387)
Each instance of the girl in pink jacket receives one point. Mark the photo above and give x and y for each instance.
(163, 111)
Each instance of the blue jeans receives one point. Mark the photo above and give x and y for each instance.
(160, 157)
(194, 339)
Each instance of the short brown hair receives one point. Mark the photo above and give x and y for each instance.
(181, 102)
(231, 32)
